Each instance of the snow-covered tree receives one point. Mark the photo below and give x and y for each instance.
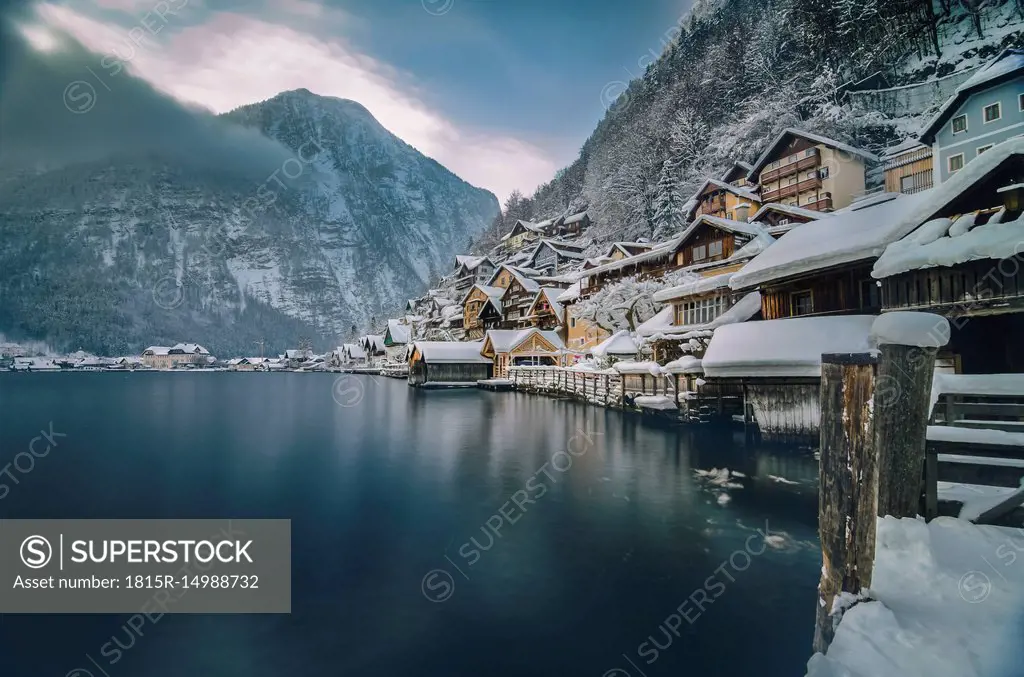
(627, 303)
(669, 203)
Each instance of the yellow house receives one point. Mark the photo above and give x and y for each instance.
(810, 171)
(725, 200)
(473, 322)
(522, 233)
(522, 348)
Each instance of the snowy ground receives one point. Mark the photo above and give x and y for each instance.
(950, 603)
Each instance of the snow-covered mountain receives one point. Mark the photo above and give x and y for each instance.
(144, 248)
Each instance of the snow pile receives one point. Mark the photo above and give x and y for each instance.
(661, 322)
(619, 343)
(638, 368)
(659, 402)
(976, 384)
(790, 347)
(687, 364)
(702, 286)
(950, 603)
(944, 243)
(720, 477)
(975, 499)
(923, 330)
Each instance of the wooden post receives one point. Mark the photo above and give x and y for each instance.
(902, 399)
(848, 484)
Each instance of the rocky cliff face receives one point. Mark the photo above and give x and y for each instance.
(110, 255)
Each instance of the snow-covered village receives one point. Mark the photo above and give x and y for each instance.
(771, 316)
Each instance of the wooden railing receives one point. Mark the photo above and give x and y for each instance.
(606, 388)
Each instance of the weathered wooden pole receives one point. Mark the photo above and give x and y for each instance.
(848, 484)
(908, 343)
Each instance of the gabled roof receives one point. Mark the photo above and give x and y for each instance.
(157, 350)
(372, 343)
(1007, 65)
(507, 340)
(354, 351)
(396, 334)
(523, 225)
(451, 352)
(551, 294)
(755, 171)
(190, 348)
(559, 249)
(489, 292)
(735, 190)
(738, 170)
(864, 229)
(470, 263)
(522, 275)
(492, 302)
(628, 248)
(569, 220)
(791, 210)
(619, 343)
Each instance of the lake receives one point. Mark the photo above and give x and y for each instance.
(433, 533)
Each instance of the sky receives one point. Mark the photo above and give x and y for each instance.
(502, 92)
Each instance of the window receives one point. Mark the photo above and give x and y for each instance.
(992, 112)
(700, 312)
(959, 124)
(1020, 102)
(801, 303)
(955, 162)
(906, 183)
(572, 322)
(700, 253)
(823, 172)
(715, 248)
(870, 295)
(982, 149)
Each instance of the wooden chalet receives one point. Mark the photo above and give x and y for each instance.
(737, 174)
(447, 364)
(522, 233)
(810, 171)
(475, 318)
(553, 257)
(470, 270)
(546, 312)
(572, 225)
(908, 168)
(967, 263)
(725, 200)
(712, 245)
(621, 250)
(517, 300)
(522, 348)
(779, 218)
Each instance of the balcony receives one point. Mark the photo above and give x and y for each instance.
(823, 203)
(807, 159)
(714, 205)
(791, 190)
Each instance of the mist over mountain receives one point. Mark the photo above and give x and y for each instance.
(128, 219)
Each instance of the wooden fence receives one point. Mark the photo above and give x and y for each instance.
(605, 388)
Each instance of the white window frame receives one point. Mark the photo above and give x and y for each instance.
(823, 172)
(999, 107)
(966, 124)
(703, 249)
(949, 163)
(981, 149)
(1020, 102)
(713, 246)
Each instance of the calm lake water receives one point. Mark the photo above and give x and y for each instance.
(390, 496)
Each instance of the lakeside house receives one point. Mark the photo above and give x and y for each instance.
(985, 111)
(396, 339)
(808, 170)
(447, 364)
(522, 348)
(178, 355)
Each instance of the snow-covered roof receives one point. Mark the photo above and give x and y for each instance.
(627, 248)
(559, 248)
(790, 347)
(743, 166)
(373, 343)
(354, 351)
(619, 343)
(744, 309)
(399, 332)
(687, 364)
(790, 210)
(864, 229)
(944, 242)
(1006, 65)
(694, 288)
(551, 294)
(569, 220)
(461, 352)
(735, 190)
(755, 170)
(572, 293)
(191, 348)
(526, 225)
(157, 350)
(489, 292)
(506, 340)
(660, 323)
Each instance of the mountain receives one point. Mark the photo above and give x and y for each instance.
(114, 253)
(734, 73)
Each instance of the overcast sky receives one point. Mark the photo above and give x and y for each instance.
(502, 92)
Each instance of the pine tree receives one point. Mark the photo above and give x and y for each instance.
(669, 201)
